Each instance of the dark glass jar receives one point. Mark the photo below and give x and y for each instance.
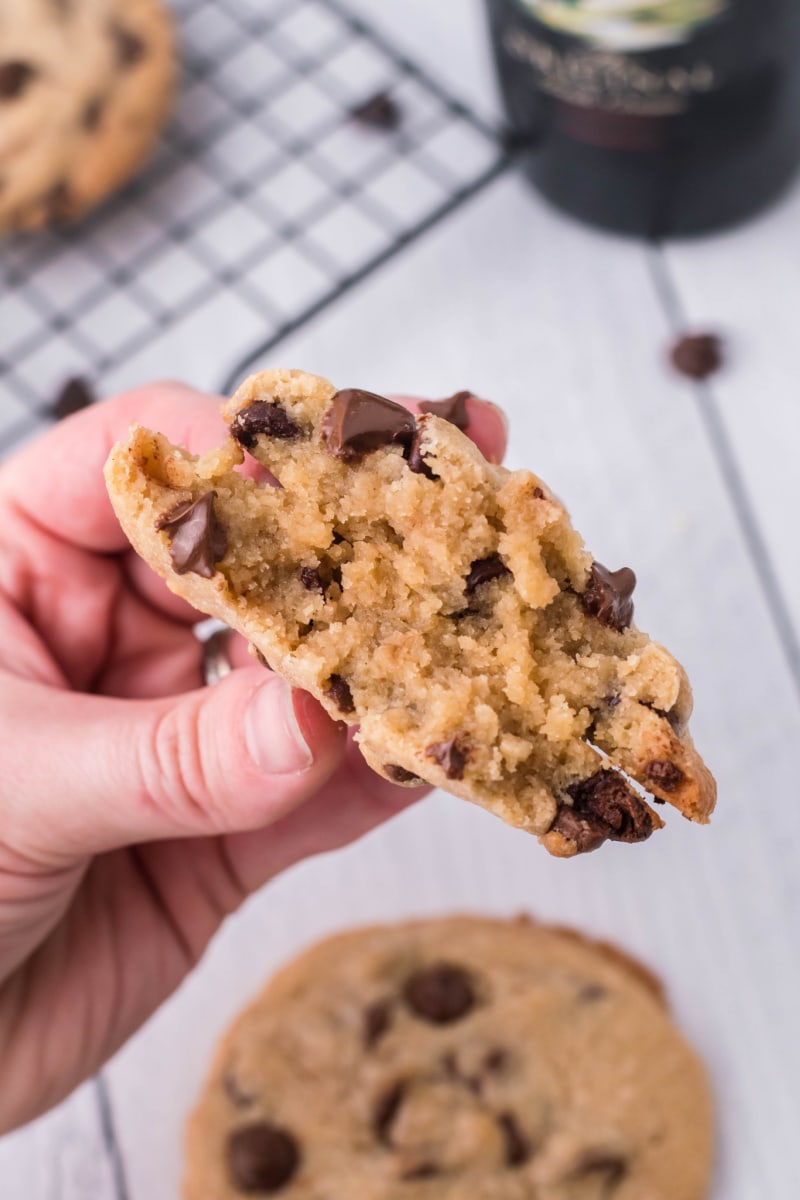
(653, 117)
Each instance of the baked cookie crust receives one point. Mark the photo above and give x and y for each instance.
(454, 1059)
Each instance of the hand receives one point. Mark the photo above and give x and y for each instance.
(137, 808)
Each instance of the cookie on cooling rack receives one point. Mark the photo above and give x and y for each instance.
(85, 86)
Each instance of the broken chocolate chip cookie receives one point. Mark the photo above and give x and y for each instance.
(451, 612)
(454, 1059)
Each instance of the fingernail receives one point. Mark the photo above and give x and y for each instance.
(498, 413)
(273, 732)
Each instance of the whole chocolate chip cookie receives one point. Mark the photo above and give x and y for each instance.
(84, 89)
(459, 1059)
(443, 604)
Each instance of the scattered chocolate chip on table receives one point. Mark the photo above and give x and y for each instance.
(75, 395)
(379, 111)
(698, 355)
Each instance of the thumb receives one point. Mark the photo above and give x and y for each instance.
(85, 774)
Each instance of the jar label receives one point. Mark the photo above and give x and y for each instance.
(627, 25)
(640, 57)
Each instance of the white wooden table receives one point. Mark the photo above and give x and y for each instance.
(697, 486)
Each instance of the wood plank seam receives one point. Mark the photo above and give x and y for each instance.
(110, 1141)
(732, 475)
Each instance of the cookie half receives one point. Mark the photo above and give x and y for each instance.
(85, 86)
(453, 1059)
(443, 604)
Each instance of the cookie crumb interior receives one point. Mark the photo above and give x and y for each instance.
(443, 610)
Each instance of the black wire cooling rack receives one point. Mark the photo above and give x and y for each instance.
(265, 201)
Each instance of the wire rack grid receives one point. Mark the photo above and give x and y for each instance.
(264, 202)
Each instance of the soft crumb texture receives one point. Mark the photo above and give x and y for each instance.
(443, 604)
(455, 1059)
(85, 86)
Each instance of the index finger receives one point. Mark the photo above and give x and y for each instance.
(485, 423)
(57, 480)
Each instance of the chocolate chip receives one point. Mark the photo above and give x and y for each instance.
(603, 1170)
(496, 1061)
(377, 1020)
(485, 569)
(451, 756)
(440, 994)
(15, 75)
(379, 111)
(338, 690)
(359, 421)
(59, 203)
(590, 993)
(608, 596)
(262, 1157)
(93, 113)
(603, 808)
(416, 462)
(586, 833)
(423, 1170)
(386, 1109)
(319, 579)
(671, 717)
(452, 409)
(238, 1097)
(197, 539)
(538, 493)
(611, 701)
(666, 775)
(263, 416)
(399, 774)
(697, 355)
(130, 48)
(516, 1145)
(75, 395)
(312, 580)
(607, 797)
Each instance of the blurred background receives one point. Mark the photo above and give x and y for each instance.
(346, 189)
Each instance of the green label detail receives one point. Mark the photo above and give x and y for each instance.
(627, 25)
